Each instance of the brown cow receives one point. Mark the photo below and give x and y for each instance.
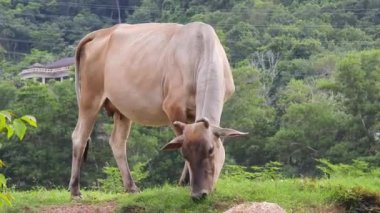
(155, 74)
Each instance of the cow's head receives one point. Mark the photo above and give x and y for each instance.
(201, 146)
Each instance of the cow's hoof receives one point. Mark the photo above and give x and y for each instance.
(133, 190)
(75, 194)
(183, 182)
(76, 197)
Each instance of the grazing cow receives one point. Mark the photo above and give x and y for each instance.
(155, 74)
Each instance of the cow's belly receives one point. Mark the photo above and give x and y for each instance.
(144, 115)
(139, 106)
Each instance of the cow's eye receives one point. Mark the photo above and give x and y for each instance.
(211, 151)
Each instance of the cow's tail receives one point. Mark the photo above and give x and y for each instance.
(88, 38)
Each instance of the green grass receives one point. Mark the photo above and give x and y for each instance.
(32, 200)
(292, 194)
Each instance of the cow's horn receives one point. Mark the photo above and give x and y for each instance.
(205, 121)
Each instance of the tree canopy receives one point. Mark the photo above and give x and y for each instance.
(307, 79)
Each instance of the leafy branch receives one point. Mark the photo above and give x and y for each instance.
(12, 126)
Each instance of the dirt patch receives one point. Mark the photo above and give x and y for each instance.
(322, 209)
(132, 209)
(80, 208)
(256, 207)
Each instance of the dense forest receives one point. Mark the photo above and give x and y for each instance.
(307, 77)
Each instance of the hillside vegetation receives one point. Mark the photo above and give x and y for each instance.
(307, 79)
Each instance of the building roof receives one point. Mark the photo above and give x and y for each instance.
(53, 69)
(64, 62)
(36, 65)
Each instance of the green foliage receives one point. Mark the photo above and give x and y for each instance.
(142, 14)
(357, 169)
(166, 167)
(5, 196)
(270, 171)
(296, 92)
(308, 131)
(39, 197)
(35, 56)
(306, 76)
(257, 119)
(357, 78)
(357, 199)
(11, 126)
(299, 195)
(16, 126)
(241, 41)
(8, 92)
(236, 171)
(138, 173)
(112, 182)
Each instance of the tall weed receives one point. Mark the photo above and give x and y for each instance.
(113, 181)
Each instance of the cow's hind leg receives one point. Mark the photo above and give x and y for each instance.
(80, 136)
(118, 142)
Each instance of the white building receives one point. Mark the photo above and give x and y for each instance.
(57, 70)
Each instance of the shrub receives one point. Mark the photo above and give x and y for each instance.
(271, 171)
(112, 182)
(358, 200)
(358, 168)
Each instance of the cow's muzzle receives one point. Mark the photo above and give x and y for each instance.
(199, 196)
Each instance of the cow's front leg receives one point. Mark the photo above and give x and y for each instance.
(185, 176)
(175, 108)
(118, 142)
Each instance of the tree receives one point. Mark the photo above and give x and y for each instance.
(313, 125)
(357, 79)
(7, 94)
(307, 132)
(149, 11)
(296, 92)
(306, 58)
(248, 111)
(241, 41)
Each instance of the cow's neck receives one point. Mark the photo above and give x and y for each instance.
(210, 93)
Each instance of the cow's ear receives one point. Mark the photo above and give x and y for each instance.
(224, 132)
(174, 144)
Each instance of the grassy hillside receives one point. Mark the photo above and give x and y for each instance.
(295, 195)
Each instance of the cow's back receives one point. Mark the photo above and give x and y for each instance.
(136, 67)
(138, 57)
